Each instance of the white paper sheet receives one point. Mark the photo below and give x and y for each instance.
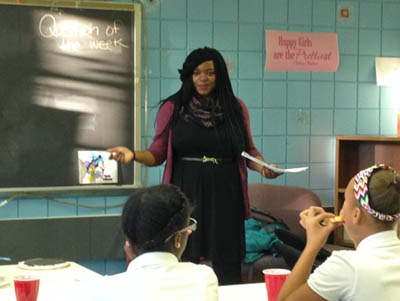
(275, 169)
(387, 71)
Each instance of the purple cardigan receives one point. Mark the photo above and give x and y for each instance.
(161, 148)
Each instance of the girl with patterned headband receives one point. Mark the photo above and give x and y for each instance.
(380, 194)
(370, 215)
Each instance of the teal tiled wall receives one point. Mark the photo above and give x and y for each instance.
(295, 116)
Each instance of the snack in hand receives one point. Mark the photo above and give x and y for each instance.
(335, 219)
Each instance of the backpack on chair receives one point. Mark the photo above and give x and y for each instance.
(292, 246)
(289, 245)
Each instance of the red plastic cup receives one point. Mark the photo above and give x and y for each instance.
(26, 288)
(274, 279)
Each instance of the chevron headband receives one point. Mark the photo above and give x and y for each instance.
(361, 192)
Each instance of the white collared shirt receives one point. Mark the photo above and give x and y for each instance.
(372, 272)
(157, 276)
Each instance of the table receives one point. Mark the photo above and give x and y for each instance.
(243, 292)
(60, 282)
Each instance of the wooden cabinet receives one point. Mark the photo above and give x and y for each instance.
(354, 153)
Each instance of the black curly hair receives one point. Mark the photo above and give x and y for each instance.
(152, 214)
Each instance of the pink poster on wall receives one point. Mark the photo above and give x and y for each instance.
(301, 51)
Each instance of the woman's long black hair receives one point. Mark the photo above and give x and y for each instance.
(233, 125)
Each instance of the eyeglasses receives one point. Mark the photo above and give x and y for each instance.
(192, 226)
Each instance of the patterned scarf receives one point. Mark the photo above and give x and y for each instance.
(204, 110)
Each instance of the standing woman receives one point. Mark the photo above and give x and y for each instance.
(201, 131)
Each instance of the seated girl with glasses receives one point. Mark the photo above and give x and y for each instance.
(156, 223)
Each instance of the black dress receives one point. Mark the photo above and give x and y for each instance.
(215, 190)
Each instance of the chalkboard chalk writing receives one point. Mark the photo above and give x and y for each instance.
(74, 35)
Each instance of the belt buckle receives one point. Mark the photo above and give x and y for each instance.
(210, 159)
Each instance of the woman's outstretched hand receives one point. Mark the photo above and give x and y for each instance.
(121, 154)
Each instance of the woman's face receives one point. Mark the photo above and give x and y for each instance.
(204, 78)
(348, 200)
(183, 240)
(349, 205)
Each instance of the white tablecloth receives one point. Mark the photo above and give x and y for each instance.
(243, 292)
(54, 284)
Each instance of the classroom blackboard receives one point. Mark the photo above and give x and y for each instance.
(68, 82)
